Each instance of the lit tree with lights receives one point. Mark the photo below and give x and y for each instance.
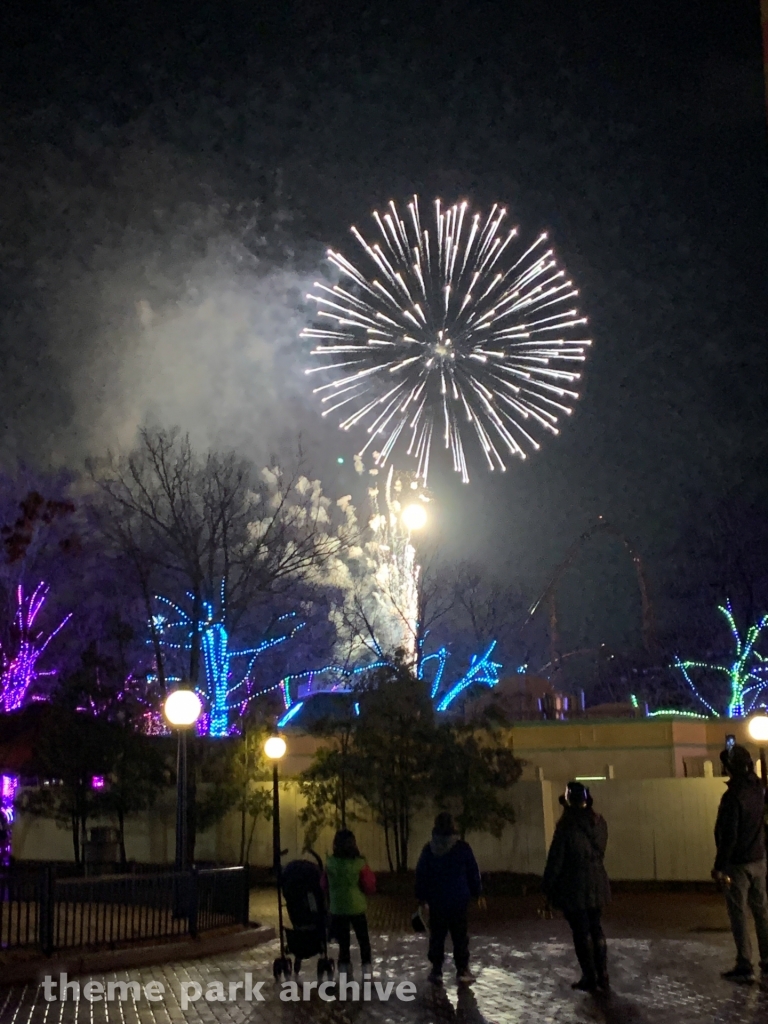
(19, 664)
(187, 521)
(746, 672)
(226, 688)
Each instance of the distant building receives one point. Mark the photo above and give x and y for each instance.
(524, 698)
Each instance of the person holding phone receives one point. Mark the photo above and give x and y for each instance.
(740, 863)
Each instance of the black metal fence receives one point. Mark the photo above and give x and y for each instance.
(55, 913)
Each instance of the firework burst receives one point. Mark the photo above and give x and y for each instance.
(457, 329)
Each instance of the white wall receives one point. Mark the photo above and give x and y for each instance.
(658, 829)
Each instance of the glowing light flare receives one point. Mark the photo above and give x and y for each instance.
(414, 516)
(758, 728)
(451, 315)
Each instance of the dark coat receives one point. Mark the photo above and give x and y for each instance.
(447, 875)
(740, 825)
(575, 878)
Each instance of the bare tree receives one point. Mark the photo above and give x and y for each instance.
(201, 521)
(490, 604)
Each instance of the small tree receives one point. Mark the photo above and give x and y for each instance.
(137, 774)
(234, 768)
(75, 747)
(330, 783)
(394, 742)
(471, 778)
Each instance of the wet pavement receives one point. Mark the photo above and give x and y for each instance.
(524, 968)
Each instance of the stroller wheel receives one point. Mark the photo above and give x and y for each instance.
(281, 967)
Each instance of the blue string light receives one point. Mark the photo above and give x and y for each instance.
(441, 657)
(482, 670)
(221, 693)
(291, 713)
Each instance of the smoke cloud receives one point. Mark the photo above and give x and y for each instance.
(139, 290)
(222, 363)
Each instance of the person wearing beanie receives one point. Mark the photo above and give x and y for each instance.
(740, 863)
(447, 878)
(575, 881)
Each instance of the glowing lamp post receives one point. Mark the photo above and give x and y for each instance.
(274, 749)
(758, 731)
(182, 709)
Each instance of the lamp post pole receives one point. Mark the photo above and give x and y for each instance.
(181, 800)
(276, 821)
(274, 749)
(182, 709)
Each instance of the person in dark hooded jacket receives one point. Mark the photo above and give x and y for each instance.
(447, 878)
(575, 881)
(740, 861)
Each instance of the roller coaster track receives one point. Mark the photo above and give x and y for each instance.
(549, 594)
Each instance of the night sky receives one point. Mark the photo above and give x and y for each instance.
(170, 175)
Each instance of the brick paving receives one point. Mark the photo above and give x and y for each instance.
(665, 969)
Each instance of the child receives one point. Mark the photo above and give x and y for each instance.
(348, 880)
(447, 877)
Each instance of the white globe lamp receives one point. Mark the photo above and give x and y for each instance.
(182, 708)
(757, 727)
(275, 748)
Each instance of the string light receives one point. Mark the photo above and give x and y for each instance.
(8, 787)
(20, 672)
(441, 657)
(746, 685)
(290, 714)
(221, 695)
(676, 711)
(482, 670)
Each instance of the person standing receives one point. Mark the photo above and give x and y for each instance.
(740, 863)
(575, 881)
(447, 878)
(348, 880)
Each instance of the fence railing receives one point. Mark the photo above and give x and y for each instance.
(55, 913)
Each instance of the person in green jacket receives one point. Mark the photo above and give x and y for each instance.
(348, 880)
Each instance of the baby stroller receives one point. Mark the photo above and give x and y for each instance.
(305, 903)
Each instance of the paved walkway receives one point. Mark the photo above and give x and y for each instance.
(524, 968)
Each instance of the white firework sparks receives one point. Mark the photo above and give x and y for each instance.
(458, 329)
